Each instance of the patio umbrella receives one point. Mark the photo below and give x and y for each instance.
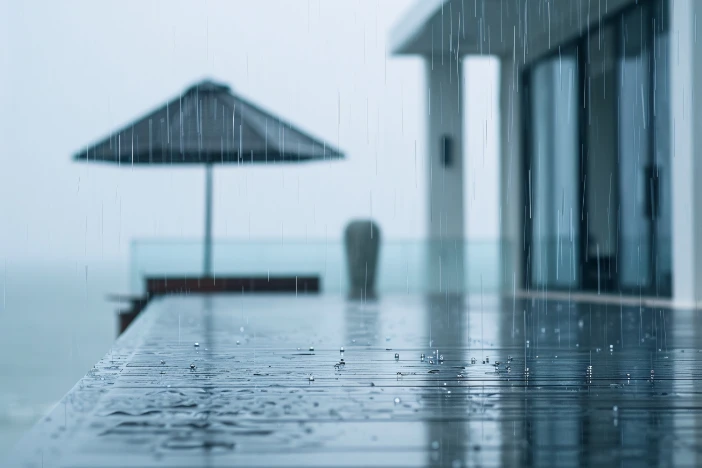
(208, 124)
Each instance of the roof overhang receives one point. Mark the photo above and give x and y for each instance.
(519, 28)
(406, 35)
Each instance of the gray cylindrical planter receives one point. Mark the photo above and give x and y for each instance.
(362, 239)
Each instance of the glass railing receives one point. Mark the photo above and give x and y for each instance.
(403, 265)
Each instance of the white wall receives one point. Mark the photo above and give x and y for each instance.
(481, 148)
(686, 131)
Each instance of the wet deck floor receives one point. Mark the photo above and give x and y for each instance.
(576, 385)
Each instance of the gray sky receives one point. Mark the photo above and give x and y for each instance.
(75, 70)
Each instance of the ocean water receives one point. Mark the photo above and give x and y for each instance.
(55, 323)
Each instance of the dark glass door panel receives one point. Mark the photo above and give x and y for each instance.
(637, 194)
(600, 180)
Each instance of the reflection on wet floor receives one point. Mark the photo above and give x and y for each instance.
(404, 381)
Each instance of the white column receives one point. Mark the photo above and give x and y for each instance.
(445, 181)
(511, 177)
(686, 132)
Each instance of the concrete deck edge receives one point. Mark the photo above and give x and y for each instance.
(611, 299)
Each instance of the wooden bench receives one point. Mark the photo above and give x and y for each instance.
(207, 285)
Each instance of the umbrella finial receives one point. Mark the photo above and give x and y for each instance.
(209, 86)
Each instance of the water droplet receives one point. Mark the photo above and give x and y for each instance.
(192, 367)
(435, 445)
(311, 378)
(460, 376)
(162, 362)
(397, 400)
(397, 356)
(237, 342)
(353, 341)
(487, 358)
(341, 350)
(197, 345)
(311, 348)
(628, 376)
(421, 357)
(615, 408)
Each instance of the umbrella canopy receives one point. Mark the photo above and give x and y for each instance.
(208, 124)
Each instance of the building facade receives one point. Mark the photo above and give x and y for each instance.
(599, 130)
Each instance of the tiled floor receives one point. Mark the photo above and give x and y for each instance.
(259, 381)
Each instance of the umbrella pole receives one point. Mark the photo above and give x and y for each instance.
(207, 267)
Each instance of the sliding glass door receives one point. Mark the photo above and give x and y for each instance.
(645, 264)
(597, 170)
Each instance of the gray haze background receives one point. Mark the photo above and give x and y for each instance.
(72, 71)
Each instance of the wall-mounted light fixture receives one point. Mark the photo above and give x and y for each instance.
(446, 151)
